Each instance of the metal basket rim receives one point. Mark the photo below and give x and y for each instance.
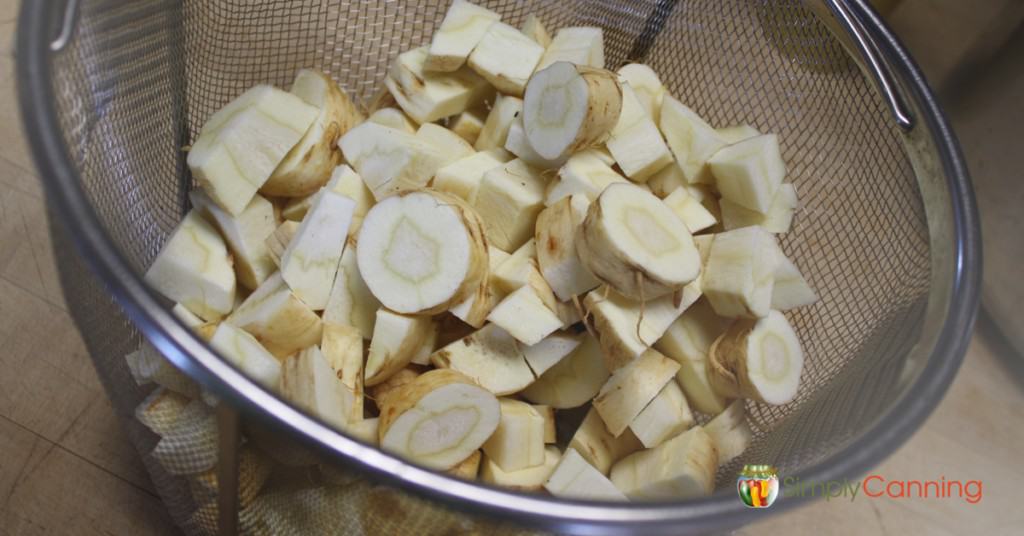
(64, 191)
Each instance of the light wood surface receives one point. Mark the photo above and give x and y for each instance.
(67, 468)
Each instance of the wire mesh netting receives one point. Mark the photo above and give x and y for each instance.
(141, 76)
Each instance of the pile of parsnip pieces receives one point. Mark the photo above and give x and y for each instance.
(509, 232)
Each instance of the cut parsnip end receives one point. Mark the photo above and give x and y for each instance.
(187, 317)
(667, 180)
(381, 99)
(680, 468)
(777, 220)
(308, 165)
(518, 442)
(517, 269)
(665, 416)
(580, 45)
(534, 29)
(463, 27)
(556, 231)
(446, 142)
(627, 327)
(427, 347)
(574, 478)
(635, 142)
(246, 353)
(790, 289)
(406, 263)
(630, 388)
(749, 172)
(468, 469)
(688, 341)
(463, 177)
(573, 381)
(648, 87)
(758, 359)
(390, 160)
(310, 261)
(295, 209)
(550, 425)
(569, 107)
(508, 201)
(365, 430)
(525, 316)
(690, 211)
(636, 244)
(194, 269)
(469, 124)
(393, 118)
(739, 275)
(495, 131)
(439, 419)
(569, 313)
(206, 331)
(241, 145)
(428, 96)
(506, 58)
(309, 382)
(550, 351)
(474, 309)
(584, 173)
(598, 446)
(490, 357)
(402, 377)
(730, 432)
(345, 181)
(690, 138)
(737, 133)
(282, 322)
(351, 303)
(396, 339)
(244, 234)
(528, 479)
(640, 151)
(342, 347)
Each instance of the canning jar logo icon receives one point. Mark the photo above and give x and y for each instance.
(758, 485)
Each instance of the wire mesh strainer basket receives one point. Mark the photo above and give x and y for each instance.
(112, 89)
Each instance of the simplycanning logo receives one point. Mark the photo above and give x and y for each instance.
(758, 487)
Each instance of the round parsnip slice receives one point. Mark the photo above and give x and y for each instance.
(569, 107)
(438, 419)
(633, 241)
(758, 359)
(421, 251)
